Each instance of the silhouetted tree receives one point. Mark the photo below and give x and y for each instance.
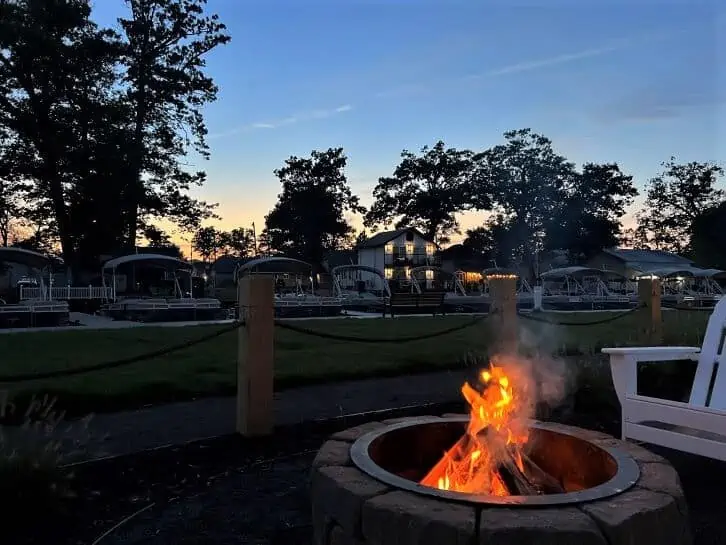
(588, 219)
(360, 238)
(309, 218)
(527, 182)
(674, 199)
(56, 74)
(238, 242)
(708, 237)
(426, 192)
(208, 242)
(165, 88)
(498, 240)
(12, 192)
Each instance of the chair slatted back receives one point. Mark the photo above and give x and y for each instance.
(712, 360)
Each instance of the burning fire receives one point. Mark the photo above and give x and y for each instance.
(490, 455)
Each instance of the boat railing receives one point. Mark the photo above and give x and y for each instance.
(308, 300)
(165, 304)
(15, 308)
(45, 306)
(65, 292)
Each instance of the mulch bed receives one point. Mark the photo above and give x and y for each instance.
(231, 490)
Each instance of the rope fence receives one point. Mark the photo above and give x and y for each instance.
(537, 318)
(288, 326)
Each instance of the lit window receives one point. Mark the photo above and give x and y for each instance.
(429, 274)
(430, 248)
(388, 272)
(409, 248)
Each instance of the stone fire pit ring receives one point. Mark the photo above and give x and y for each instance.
(351, 507)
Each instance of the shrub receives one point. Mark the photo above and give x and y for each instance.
(32, 476)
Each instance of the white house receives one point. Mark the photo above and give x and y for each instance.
(395, 253)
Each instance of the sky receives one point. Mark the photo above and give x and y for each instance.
(634, 82)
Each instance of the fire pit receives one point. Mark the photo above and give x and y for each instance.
(561, 467)
(492, 478)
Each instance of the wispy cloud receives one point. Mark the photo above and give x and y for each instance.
(290, 120)
(530, 65)
(545, 63)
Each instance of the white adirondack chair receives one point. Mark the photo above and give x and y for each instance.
(699, 426)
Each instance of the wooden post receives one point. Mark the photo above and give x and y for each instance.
(255, 361)
(503, 313)
(650, 319)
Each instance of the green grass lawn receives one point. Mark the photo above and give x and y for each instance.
(210, 368)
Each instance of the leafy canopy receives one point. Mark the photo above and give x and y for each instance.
(425, 191)
(674, 199)
(309, 219)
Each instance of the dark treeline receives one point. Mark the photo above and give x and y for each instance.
(95, 125)
(537, 202)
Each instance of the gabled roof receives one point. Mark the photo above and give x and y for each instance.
(647, 256)
(380, 239)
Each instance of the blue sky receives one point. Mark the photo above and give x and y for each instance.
(633, 82)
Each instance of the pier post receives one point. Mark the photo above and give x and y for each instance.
(255, 356)
(650, 318)
(537, 294)
(503, 313)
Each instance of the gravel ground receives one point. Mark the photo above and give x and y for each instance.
(269, 505)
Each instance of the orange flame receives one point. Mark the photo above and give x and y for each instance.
(498, 421)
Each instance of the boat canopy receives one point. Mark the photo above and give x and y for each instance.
(158, 260)
(21, 256)
(572, 271)
(688, 272)
(273, 265)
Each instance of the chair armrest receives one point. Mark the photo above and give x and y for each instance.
(654, 353)
(624, 363)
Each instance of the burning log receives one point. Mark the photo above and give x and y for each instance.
(513, 478)
(543, 480)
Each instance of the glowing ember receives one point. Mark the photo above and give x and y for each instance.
(490, 455)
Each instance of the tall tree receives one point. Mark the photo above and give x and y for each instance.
(674, 199)
(588, 218)
(708, 237)
(12, 191)
(165, 46)
(50, 52)
(309, 218)
(11, 210)
(426, 191)
(528, 182)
